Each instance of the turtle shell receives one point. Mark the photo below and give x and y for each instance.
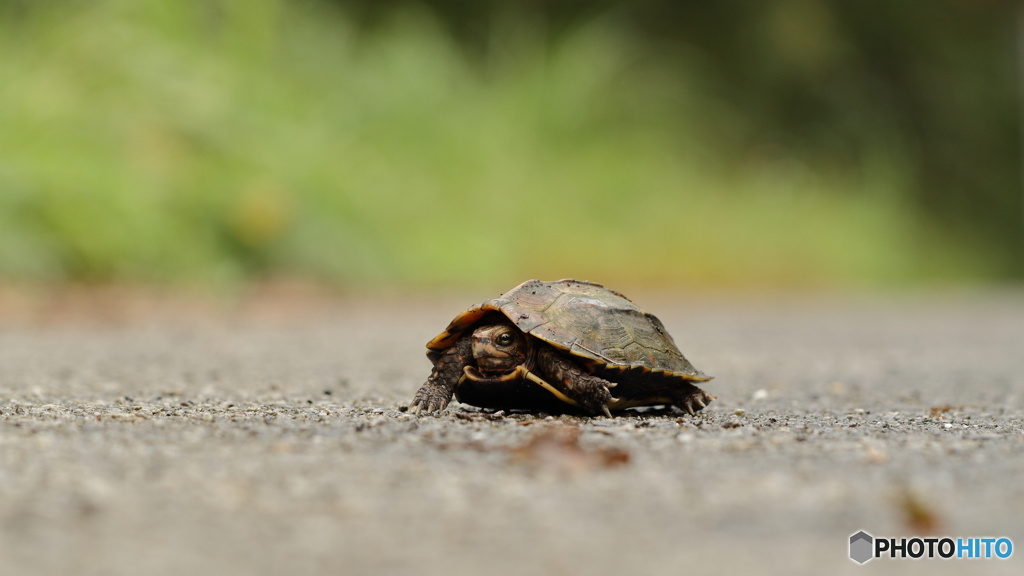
(611, 335)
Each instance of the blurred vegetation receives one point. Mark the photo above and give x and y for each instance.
(783, 142)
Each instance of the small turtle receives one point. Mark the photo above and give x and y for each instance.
(558, 346)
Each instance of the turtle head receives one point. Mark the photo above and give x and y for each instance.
(499, 349)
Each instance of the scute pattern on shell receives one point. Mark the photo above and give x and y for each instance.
(590, 321)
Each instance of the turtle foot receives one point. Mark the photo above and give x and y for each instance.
(592, 394)
(693, 400)
(430, 398)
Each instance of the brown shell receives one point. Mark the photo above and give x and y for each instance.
(588, 320)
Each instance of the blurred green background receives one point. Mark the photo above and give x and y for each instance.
(740, 143)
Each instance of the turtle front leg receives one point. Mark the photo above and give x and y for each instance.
(690, 398)
(592, 393)
(437, 392)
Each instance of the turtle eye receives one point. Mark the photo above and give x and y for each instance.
(505, 339)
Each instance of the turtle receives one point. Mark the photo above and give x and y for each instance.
(560, 346)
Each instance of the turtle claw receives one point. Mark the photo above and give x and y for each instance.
(607, 394)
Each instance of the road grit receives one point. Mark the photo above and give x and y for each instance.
(235, 446)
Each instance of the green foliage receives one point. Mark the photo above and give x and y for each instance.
(214, 141)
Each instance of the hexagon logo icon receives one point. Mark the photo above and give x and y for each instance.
(861, 545)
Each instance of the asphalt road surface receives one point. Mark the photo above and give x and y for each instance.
(275, 443)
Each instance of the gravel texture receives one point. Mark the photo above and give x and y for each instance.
(248, 444)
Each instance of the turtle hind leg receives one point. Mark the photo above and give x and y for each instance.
(439, 388)
(592, 393)
(690, 398)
